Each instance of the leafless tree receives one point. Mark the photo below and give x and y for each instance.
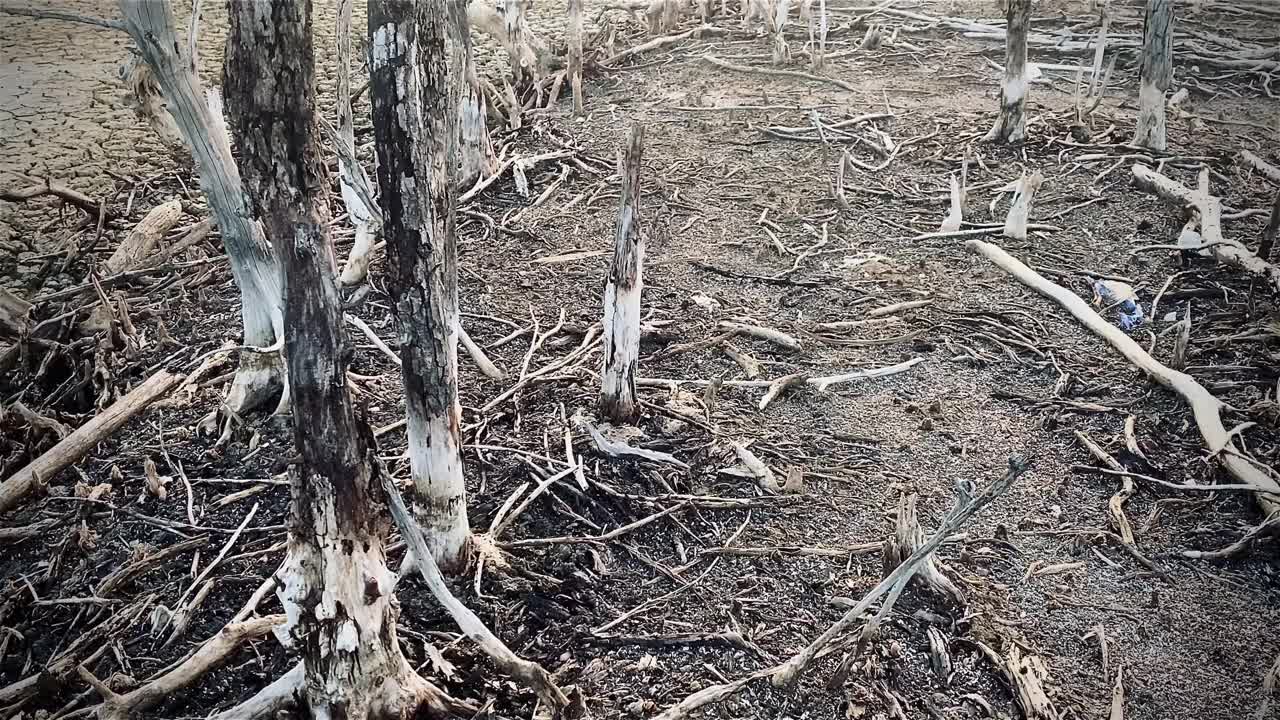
(414, 125)
(1011, 123)
(335, 586)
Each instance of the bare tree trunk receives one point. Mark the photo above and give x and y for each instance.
(476, 157)
(336, 586)
(357, 194)
(253, 264)
(1157, 74)
(622, 294)
(414, 125)
(574, 33)
(1011, 124)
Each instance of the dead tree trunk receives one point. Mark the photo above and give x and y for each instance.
(622, 294)
(1011, 124)
(357, 194)
(413, 130)
(476, 158)
(1157, 74)
(253, 264)
(574, 33)
(335, 586)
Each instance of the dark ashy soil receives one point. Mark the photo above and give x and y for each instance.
(739, 223)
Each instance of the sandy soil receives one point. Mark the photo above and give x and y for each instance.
(1193, 641)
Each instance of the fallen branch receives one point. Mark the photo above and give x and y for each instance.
(481, 360)
(966, 507)
(1209, 208)
(780, 73)
(1204, 406)
(212, 653)
(623, 450)
(270, 700)
(132, 253)
(1270, 171)
(85, 438)
(531, 673)
(66, 194)
(659, 42)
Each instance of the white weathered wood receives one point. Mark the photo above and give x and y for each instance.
(1205, 408)
(622, 293)
(357, 192)
(85, 438)
(253, 263)
(1015, 224)
(1209, 208)
(574, 36)
(142, 240)
(955, 216)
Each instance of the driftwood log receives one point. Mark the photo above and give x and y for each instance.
(1208, 209)
(1204, 406)
(84, 439)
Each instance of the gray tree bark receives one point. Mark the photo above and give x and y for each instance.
(1011, 123)
(1157, 75)
(253, 264)
(336, 586)
(414, 125)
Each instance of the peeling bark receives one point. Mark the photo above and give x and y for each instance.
(1011, 124)
(1157, 74)
(622, 294)
(253, 264)
(412, 111)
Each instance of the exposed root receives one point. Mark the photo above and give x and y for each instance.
(908, 537)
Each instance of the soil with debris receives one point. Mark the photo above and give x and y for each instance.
(741, 224)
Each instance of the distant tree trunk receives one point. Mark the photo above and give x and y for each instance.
(1157, 74)
(336, 586)
(574, 33)
(414, 134)
(253, 264)
(1011, 124)
(528, 53)
(622, 294)
(475, 150)
(357, 194)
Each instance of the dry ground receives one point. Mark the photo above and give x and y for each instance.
(1194, 643)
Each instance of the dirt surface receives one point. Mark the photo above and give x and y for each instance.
(739, 223)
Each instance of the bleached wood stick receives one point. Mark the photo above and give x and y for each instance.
(1015, 225)
(1270, 171)
(85, 438)
(531, 673)
(1228, 252)
(482, 361)
(756, 467)
(144, 237)
(1204, 406)
(823, 383)
(776, 337)
(956, 215)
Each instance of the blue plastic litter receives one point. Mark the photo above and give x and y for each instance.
(1121, 296)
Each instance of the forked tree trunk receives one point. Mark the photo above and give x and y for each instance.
(357, 193)
(253, 264)
(622, 294)
(574, 33)
(413, 129)
(475, 151)
(1157, 74)
(1011, 124)
(335, 586)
